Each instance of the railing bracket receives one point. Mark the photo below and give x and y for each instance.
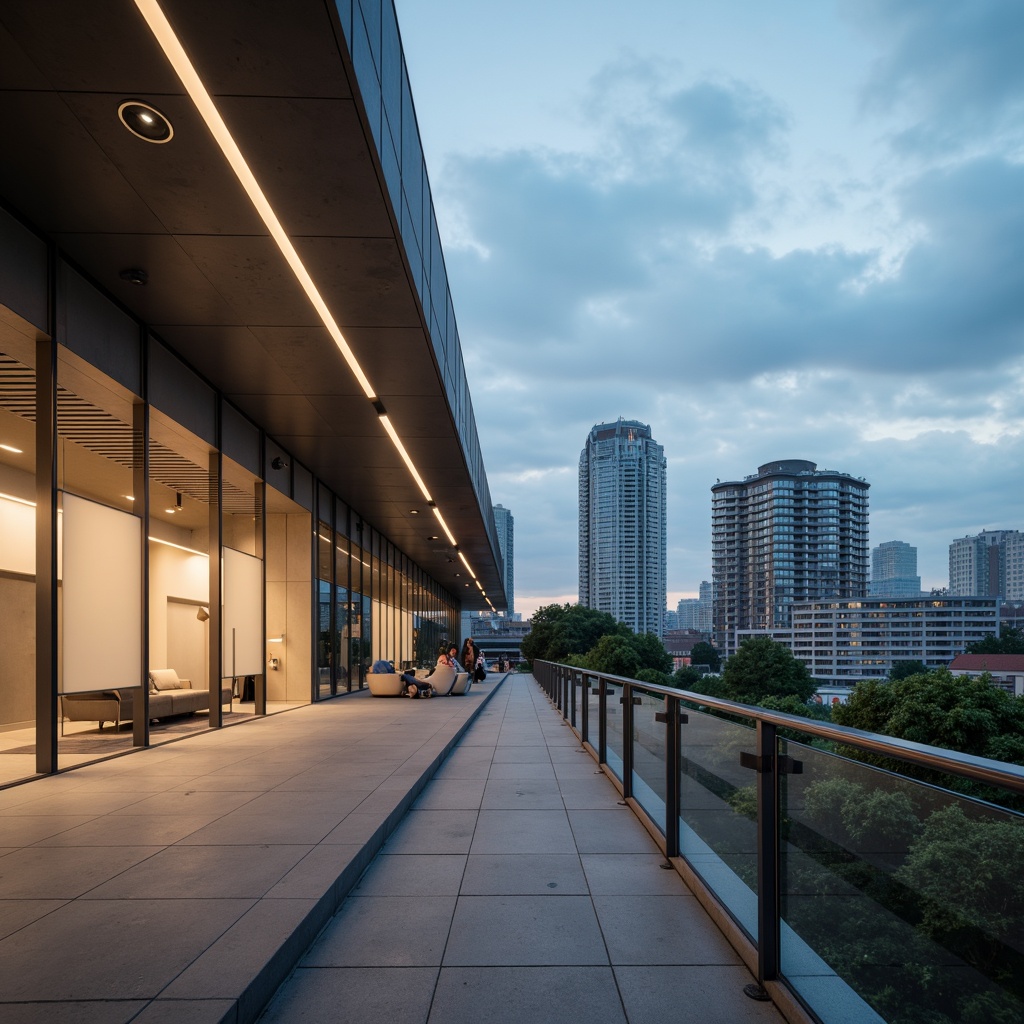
(787, 765)
(636, 700)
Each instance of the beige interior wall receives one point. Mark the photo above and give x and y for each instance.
(172, 574)
(289, 603)
(17, 651)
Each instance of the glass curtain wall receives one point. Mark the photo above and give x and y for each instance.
(100, 557)
(288, 652)
(17, 548)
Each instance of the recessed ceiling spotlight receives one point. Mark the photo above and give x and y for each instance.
(414, 511)
(11, 448)
(145, 122)
(134, 275)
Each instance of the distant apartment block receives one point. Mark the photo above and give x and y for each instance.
(845, 641)
(785, 534)
(505, 523)
(696, 612)
(622, 521)
(988, 564)
(894, 570)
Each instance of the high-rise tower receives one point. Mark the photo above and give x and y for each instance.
(622, 524)
(789, 532)
(894, 570)
(505, 524)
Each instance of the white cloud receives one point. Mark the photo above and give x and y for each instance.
(681, 253)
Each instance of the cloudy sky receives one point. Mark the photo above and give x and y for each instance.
(769, 230)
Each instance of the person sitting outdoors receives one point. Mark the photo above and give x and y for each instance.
(416, 687)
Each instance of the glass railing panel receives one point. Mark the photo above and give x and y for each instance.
(899, 898)
(649, 785)
(718, 812)
(614, 740)
(590, 695)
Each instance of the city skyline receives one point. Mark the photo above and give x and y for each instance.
(772, 231)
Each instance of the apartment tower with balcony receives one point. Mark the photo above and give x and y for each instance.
(622, 566)
(789, 532)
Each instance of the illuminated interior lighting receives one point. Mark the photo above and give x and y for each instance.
(444, 526)
(469, 568)
(20, 501)
(397, 442)
(11, 448)
(129, 497)
(183, 68)
(193, 84)
(180, 547)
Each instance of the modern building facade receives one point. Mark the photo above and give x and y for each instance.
(846, 641)
(236, 439)
(990, 563)
(697, 612)
(785, 534)
(894, 570)
(504, 523)
(622, 524)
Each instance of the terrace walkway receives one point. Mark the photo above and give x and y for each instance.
(185, 882)
(519, 890)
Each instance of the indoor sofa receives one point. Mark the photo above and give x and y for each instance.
(168, 696)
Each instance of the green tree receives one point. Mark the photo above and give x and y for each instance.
(903, 669)
(615, 655)
(762, 668)
(651, 652)
(559, 631)
(1010, 641)
(940, 709)
(702, 653)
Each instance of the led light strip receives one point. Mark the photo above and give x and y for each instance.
(193, 84)
(180, 547)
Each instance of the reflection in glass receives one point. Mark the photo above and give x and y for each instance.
(718, 811)
(17, 553)
(904, 891)
(649, 757)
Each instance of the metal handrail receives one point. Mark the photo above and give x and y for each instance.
(968, 766)
(560, 682)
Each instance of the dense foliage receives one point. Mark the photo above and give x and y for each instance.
(703, 653)
(595, 640)
(764, 668)
(558, 631)
(1010, 642)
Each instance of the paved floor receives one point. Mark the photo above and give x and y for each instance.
(518, 890)
(183, 882)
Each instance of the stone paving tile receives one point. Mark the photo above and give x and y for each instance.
(355, 996)
(516, 995)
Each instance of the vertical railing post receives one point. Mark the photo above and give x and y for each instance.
(767, 767)
(627, 740)
(602, 721)
(574, 677)
(584, 708)
(673, 771)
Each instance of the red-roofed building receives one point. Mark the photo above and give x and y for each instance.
(1007, 670)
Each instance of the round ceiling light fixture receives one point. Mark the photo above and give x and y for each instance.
(145, 121)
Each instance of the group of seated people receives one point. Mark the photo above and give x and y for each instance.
(471, 657)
